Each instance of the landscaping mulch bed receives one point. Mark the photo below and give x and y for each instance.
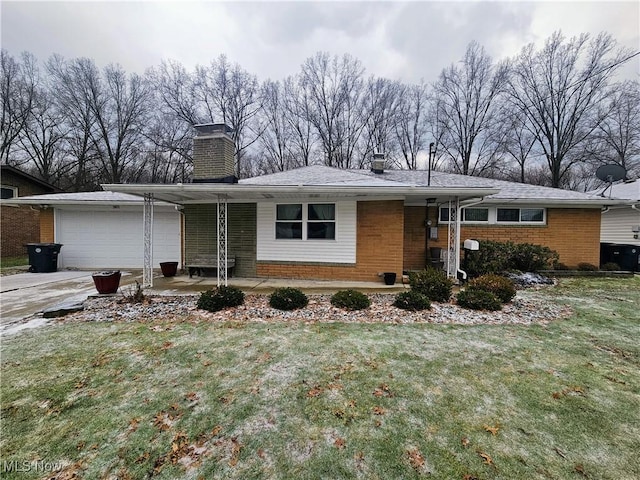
(527, 308)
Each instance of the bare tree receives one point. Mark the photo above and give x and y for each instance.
(559, 90)
(382, 101)
(617, 137)
(467, 100)
(230, 94)
(515, 142)
(334, 94)
(296, 110)
(277, 134)
(411, 122)
(17, 91)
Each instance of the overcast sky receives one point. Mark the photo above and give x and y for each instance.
(399, 40)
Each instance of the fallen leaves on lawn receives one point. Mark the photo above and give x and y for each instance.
(486, 458)
(575, 390)
(314, 392)
(165, 419)
(192, 397)
(415, 458)
(378, 410)
(235, 452)
(339, 443)
(468, 476)
(465, 442)
(383, 390)
(70, 472)
(580, 469)
(492, 430)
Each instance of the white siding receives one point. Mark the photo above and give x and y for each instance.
(99, 238)
(340, 250)
(616, 226)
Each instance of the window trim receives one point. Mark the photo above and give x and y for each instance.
(492, 217)
(305, 222)
(463, 220)
(520, 221)
(12, 188)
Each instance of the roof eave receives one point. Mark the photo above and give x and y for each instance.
(200, 192)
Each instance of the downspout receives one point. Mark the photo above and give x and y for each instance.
(458, 269)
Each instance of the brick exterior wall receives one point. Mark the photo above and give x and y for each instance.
(200, 234)
(19, 225)
(213, 156)
(380, 245)
(573, 232)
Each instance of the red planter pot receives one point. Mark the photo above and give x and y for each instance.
(107, 282)
(169, 269)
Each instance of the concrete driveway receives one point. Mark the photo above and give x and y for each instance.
(24, 295)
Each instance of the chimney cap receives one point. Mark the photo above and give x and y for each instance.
(210, 128)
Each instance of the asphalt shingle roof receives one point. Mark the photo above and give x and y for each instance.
(321, 175)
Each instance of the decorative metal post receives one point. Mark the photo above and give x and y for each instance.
(222, 240)
(453, 238)
(147, 220)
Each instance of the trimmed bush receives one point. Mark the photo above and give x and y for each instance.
(412, 300)
(560, 266)
(610, 267)
(220, 298)
(288, 299)
(587, 267)
(478, 300)
(498, 257)
(503, 288)
(350, 300)
(431, 283)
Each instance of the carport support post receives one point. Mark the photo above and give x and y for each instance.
(147, 220)
(222, 240)
(453, 238)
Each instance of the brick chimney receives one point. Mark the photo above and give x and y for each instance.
(213, 154)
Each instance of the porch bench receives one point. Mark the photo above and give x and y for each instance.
(208, 262)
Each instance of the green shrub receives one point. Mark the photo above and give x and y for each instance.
(350, 300)
(502, 287)
(610, 267)
(498, 257)
(431, 283)
(288, 299)
(412, 300)
(587, 267)
(219, 298)
(560, 266)
(478, 300)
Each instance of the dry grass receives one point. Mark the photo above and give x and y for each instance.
(173, 399)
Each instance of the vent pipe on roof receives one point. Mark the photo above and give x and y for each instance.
(377, 164)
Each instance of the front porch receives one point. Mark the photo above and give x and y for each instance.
(183, 285)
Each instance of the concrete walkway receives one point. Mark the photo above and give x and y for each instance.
(24, 295)
(183, 285)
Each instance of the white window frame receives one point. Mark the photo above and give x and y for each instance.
(306, 221)
(10, 187)
(492, 217)
(463, 220)
(520, 221)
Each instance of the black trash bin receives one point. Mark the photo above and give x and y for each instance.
(43, 257)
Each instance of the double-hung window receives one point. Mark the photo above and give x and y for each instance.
(306, 221)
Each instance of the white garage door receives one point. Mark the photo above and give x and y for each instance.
(114, 238)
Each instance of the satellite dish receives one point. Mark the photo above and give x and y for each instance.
(610, 173)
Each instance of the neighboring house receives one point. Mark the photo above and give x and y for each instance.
(20, 224)
(100, 230)
(620, 226)
(319, 222)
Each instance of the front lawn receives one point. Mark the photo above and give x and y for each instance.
(192, 399)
